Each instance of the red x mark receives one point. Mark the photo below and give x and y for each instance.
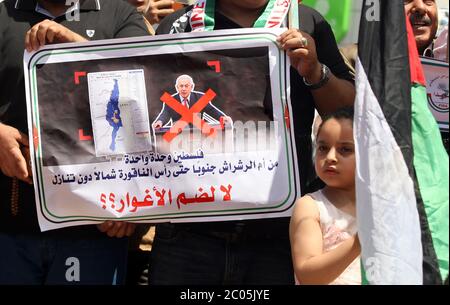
(188, 115)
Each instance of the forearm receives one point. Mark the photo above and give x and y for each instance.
(325, 268)
(335, 94)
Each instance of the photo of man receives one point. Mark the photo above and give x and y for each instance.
(187, 97)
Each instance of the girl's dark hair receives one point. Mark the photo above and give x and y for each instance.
(342, 113)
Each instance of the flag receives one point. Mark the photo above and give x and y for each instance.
(401, 166)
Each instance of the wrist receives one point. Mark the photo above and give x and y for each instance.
(322, 80)
(316, 74)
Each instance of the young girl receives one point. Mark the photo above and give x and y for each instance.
(325, 247)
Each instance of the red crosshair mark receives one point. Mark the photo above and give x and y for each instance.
(82, 136)
(77, 75)
(215, 64)
(76, 79)
(188, 115)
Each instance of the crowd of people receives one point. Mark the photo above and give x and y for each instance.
(308, 248)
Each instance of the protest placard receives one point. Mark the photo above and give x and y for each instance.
(189, 127)
(436, 74)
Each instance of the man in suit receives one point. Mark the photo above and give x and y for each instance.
(188, 97)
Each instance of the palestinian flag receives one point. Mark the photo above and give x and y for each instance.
(402, 170)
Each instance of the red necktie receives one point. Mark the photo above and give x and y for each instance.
(185, 103)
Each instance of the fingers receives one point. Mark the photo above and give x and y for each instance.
(141, 5)
(126, 229)
(26, 153)
(294, 39)
(130, 229)
(161, 4)
(41, 34)
(35, 37)
(31, 42)
(22, 157)
(117, 229)
(103, 227)
(51, 34)
(21, 163)
(109, 227)
(112, 230)
(22, 138)
(15, 165)
(295, 43)
(158, 9)
(157, 125)
(299, 53)
(46, 32)
(28, 42)
(12, 161)
(288, 35)
(165, 12)
(301, 49)
(227, 120)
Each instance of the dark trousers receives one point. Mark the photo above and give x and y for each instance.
(28, 259)
(184, 257)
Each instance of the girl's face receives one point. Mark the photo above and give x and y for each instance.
(335, 154)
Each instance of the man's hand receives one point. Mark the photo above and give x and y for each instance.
(117, 229)
(226, 121)
(301, 49)
(13, 163)
(158, 9)
(48, 32)
(142, 6)
(157, 125)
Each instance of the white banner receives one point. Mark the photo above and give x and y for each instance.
(188, 127)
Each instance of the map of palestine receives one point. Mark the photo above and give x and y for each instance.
(119, 112)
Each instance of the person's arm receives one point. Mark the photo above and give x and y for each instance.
(163, 118)
(14, 150)
(311, 265)
(337, 92)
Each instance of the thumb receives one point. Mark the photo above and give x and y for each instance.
(22, 138)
